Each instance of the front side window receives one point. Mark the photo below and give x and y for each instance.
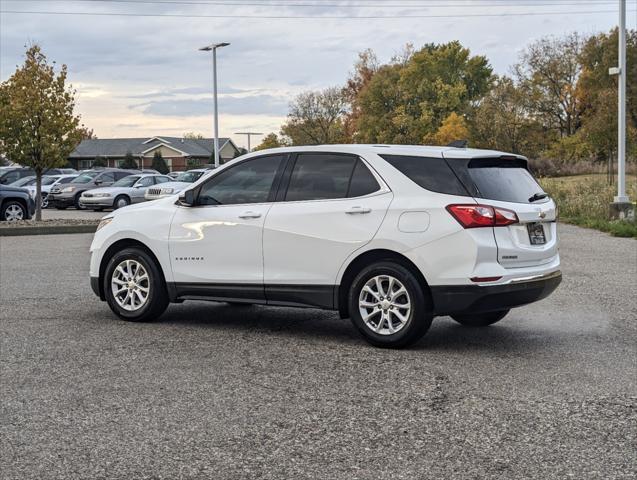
(163, 179)
(145, 182)
(85, 177)
(320, 176)
(248, 182)
(107, 178)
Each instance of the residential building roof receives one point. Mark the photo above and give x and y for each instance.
(118, 147)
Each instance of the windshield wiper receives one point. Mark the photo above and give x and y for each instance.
(538, 196)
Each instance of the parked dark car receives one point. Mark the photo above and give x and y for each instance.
(10, 175)
(64, 196)
(15, 204)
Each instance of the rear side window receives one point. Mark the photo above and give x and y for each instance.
(430, 173)
(320, 176)
(505, 180)
(363, 182)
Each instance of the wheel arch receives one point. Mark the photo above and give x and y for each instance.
(130, 201)
(367, 258)
(120, 245)
(19, 200)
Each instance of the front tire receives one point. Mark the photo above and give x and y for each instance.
(480, 319)
(134, 286)
(388, 306)
(13, 211)
(121, 202)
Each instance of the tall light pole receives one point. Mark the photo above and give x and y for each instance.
(249, 135)
(213, 48)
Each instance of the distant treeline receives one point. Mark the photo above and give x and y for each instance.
(557, 105)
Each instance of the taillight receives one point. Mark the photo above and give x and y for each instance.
(475, 216)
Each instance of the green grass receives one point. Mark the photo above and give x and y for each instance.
(584, 200)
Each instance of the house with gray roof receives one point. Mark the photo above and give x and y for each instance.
(179, 153)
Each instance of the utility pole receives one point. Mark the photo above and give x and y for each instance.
(249, 135)
(213, 48)
(622, 207)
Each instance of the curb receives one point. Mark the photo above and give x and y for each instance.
(46, 230)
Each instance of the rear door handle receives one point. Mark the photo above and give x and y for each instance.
(250, 215)
(358, 210)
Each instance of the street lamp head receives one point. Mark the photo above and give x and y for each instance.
(214, 46)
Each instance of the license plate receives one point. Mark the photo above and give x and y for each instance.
(536, 233)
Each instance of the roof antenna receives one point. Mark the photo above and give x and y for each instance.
(459, 144)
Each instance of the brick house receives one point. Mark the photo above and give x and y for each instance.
(179, 153)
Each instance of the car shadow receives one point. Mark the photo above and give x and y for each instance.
(512, 335)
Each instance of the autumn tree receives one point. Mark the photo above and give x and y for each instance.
(454, 127)
(316, 117)
(271, 140)
(407, 100)
(38, 124)
(548, 73)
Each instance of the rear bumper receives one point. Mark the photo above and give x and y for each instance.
(455, 299)
(57, 200)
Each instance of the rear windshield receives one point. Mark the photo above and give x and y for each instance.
(505, 180)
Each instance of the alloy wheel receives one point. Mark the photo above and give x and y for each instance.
(384, 305)
(130, 285)
(13, 213)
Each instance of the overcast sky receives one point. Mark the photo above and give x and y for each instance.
(139, 76)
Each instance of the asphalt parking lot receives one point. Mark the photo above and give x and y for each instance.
(216, 391)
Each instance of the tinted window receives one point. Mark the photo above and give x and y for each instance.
(430, 173)
(363, 182)
(66, 180)
(120, 175)
(10, 177)
(503, 180)
(318, 176)
(247, 182)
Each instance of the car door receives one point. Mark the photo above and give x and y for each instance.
(216, 245)
(331, 204)
(139, 189)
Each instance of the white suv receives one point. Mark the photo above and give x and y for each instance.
(390, 236)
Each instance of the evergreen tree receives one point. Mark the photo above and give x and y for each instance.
(159, 163)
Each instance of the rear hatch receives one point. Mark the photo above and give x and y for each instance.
(505, 182)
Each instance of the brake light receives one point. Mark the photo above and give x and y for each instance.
(476, 216)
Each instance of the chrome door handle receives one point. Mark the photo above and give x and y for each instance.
(358, 210)
(250, 215)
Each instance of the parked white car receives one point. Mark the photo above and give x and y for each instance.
(126, 191)
(176, 185)
(390, 236)
(48, 182)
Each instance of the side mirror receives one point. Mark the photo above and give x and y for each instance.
(98, 182)
(187, 198)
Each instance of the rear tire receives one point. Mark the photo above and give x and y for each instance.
(388, 306)
(480, 319)
(76, 202)
(133, 272)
